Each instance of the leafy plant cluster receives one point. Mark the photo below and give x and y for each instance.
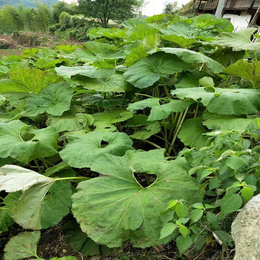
(150, 132)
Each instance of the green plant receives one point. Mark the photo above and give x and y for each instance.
(153, 128)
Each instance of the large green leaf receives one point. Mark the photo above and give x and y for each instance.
(230, 123)
(43, 205)
(191, 133)
(224, 101)
(54, 99)
(246, 70)
(111, 33)
(112, 83)
(189, 79)
(179, 28)
(70, 121)
(22, 246)
(180, 33)
(42, 142)
(136, 51)
(96, 51)
(145, 72)
(209, 21)
(131, 23)
(147, 131)
(83, 150)
(113, 116)
(240, 40)
(115, 207)
(194, 57)
(86, 70)
(158, 111)
(180, 40)
(27, 80)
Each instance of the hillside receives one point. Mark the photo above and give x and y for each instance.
(25, 3)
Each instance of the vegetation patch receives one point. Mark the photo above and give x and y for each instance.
(147, 136)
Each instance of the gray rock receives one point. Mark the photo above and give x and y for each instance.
(246, 231)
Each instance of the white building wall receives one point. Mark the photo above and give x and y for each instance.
(240, 22)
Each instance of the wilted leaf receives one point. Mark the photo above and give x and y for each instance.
(14, 178)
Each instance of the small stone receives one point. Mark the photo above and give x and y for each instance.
(246, 231)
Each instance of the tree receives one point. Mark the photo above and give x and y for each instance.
(42, 17)
(11, 18)
(171, 8)
(61, 7)
(106, 10)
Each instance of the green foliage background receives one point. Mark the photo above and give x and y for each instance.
(147, 133)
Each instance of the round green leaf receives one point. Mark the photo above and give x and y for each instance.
(247, 193)
(83, 150)
(182, 210)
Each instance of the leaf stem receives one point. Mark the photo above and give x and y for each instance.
(38, 166)
(178, 129)
(70, 178)
(196, 111)
(153, 144)
(147, 179)
(145, 95)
